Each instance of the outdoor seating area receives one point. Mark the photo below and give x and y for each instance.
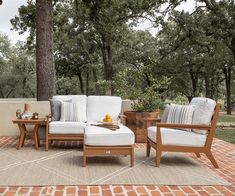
(183, 128)
(83, 151)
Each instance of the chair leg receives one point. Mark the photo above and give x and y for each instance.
(148, 148)
(212, 159)
(158, 157)
(198, 155)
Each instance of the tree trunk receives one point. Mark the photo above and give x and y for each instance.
(95, 79)
(87, 82)
(81, 82)
(44, 50)
(107, 59)
(194, 79)
(212, 88)
(24, 87)
(207, 86)
(227, 76)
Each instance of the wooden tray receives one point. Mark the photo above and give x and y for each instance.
(112, 127)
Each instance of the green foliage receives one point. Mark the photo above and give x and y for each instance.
(190, 56)
(147, 102)
(17, 70)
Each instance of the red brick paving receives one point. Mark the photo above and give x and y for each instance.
(224, 153)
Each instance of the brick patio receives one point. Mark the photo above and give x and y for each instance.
(224, 153)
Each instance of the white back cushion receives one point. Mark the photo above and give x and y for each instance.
(204, 110)
(80, 99)
(99, 106)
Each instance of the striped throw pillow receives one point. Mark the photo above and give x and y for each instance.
(181, 114)
(71, 111)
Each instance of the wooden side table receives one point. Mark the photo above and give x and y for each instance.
(22, 127)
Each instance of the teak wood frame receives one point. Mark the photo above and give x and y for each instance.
(51, 136)
(89, 151)
(159, 147)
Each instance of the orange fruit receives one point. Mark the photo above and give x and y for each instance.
(109, 120)
(107, 116)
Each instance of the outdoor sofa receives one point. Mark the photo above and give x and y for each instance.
(91, 110)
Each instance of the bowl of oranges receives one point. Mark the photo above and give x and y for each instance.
(107, 119)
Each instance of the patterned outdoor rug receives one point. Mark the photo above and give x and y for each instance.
(63, 166)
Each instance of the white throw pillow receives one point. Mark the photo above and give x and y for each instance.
(181, 114)
(166, 112)
(203, 113)
(72, 112)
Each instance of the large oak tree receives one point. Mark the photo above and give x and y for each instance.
(44, 50)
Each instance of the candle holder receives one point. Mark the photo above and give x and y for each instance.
(35, 116)
(18, 113)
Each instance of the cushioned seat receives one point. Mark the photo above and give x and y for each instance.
(178, 137)
(98, 136)
(59, 127)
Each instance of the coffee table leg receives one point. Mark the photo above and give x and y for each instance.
(22, 135)
(35, 134)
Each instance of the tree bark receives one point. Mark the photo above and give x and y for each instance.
(107, 60)
(81, 82)
(87, 82)
(44, 50)
(24, 87)
(227, 76)
(207, 86)
(194, 79)
(95, 79)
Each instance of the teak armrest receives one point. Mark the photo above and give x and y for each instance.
(123, 118)
(48, 118)
(184, 126)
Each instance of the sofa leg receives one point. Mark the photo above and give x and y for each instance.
(148, 148)
(84, 161)
(47, 144)
(132, 156)
(212, 159)
(158, 158)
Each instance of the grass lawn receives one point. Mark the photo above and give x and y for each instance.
(229, 134)
(226, 118)
(226, 135)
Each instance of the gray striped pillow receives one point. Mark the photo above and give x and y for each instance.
(70, 112)
(181, 114)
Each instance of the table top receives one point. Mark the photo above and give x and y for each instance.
(29, 121)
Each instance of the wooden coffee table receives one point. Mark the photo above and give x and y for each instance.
(22, 127)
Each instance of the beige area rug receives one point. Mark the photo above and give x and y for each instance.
(60, 166)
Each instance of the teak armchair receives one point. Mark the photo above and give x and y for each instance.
(206, 149)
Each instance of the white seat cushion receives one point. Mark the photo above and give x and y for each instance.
(98, 136)
(80, 99)
(99, 106)
(58, 127)
(178, 137)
